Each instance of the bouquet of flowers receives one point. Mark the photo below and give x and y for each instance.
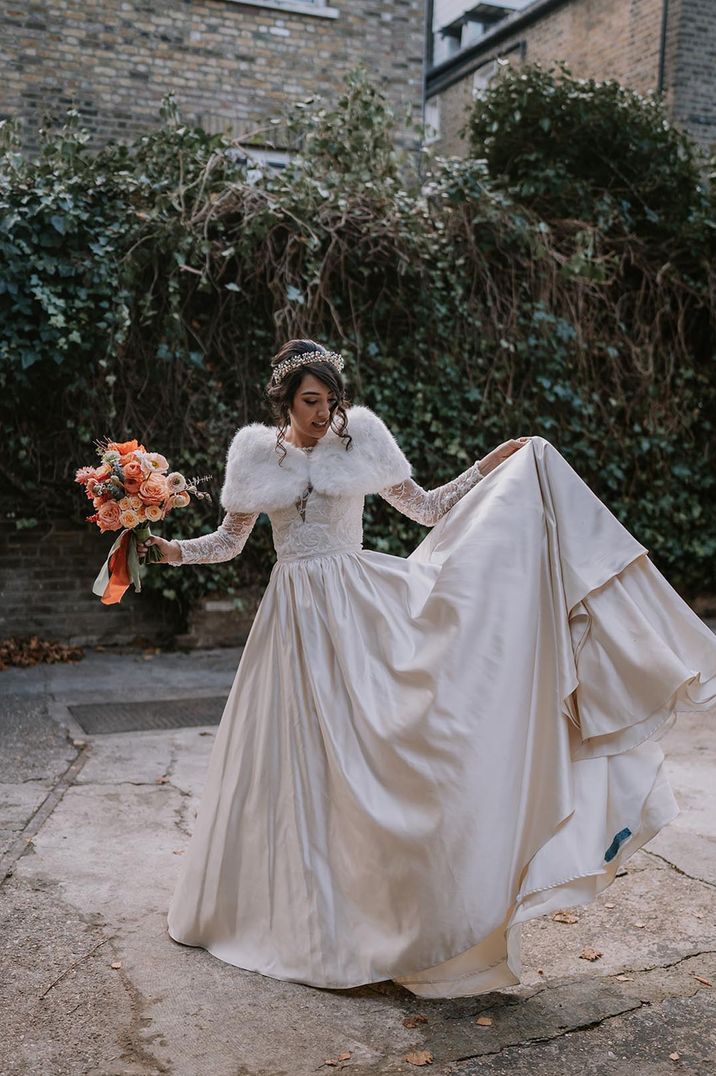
(130, 489)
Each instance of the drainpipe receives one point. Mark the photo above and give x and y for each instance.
(428, 50)
(661, 84)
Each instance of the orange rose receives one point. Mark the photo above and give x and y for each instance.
(153, 513)
(108, 516)
(154, 490)
(133, 470)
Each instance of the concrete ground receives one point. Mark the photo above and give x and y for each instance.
(92, 829)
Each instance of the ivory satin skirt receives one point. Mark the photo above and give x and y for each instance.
(419, 754)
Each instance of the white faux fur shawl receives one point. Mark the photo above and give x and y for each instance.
(255, 481)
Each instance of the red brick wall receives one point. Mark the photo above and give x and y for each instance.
(598, 39)
(46, 577)
(230, 65)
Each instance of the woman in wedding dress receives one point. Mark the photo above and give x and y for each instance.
(419, 754)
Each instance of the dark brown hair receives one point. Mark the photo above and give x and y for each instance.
(281, 395)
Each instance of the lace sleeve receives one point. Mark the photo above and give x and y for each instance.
(222, 544)
(428, 506)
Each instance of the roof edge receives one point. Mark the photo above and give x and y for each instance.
(464, 63)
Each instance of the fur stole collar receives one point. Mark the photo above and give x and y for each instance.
(255, 481)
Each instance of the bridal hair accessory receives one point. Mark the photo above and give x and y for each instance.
(295, 361)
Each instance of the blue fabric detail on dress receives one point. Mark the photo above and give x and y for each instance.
(616, 843)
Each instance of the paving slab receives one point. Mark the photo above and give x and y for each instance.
(98, 826)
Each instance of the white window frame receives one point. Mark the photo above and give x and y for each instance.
(484, 76)
(258, 160)
(318, 8)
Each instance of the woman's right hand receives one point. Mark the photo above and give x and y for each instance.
(169, 550)
(501, 453)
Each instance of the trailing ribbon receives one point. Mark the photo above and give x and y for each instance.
(119, 570)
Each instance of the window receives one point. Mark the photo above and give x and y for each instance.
(259, 161)
(483, 76)
(320, 8)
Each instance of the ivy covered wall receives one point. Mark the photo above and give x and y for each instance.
(559, 281)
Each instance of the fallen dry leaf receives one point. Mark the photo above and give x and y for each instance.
(640, 925)
(565, 917)
(675, 1056)
(161, 780)
(625, 978)
(484, 1021)
(588, 953)
(24, 651)
(332, 1061)
(116, 964)
(419, 1057)
(179, 851)
(700, 979)
(414, 1021)
(609, 904)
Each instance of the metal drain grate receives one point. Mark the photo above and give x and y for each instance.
(108, 717)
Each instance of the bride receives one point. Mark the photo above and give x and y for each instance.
(419, 754)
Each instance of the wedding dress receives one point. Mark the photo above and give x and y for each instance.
(419, 754)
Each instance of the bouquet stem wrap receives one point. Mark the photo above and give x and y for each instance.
(122, 566)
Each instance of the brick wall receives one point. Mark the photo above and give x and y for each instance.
(46, 577)
(602, 39)
(230, 65)
(691, 67)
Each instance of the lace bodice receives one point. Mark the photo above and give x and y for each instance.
(320, 523)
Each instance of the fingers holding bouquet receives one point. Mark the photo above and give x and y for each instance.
(168, 551)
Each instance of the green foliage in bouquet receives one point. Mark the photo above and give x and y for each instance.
(516, 291)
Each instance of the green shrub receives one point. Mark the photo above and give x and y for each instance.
(466, 317)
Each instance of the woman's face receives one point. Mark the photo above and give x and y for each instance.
(310, 410)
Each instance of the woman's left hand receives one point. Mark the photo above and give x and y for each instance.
(500, 454)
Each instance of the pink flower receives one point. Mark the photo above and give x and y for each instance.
(83, 474)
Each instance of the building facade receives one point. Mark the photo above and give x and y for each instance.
(666, 47)
(231, 65)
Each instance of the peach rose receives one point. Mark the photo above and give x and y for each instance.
(132, 470)
(128, 518)
(133, 501)
(132, 486)
(153, 512)
(108, 516)
(154, 489)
